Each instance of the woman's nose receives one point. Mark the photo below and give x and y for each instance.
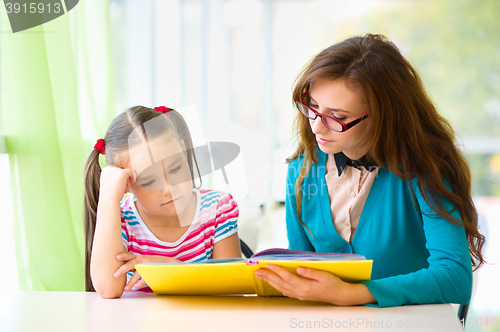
(317, 126)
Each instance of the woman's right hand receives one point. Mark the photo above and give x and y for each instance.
(115, 182)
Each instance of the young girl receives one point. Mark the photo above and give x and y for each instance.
(377, 173)
(150, 154)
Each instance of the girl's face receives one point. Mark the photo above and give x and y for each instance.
(336, 99)
(163, 181)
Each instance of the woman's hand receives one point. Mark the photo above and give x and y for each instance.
(129, 265)
(315, 285)
(115, 182)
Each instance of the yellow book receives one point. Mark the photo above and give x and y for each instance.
(236, 275)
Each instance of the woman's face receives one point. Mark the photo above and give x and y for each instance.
(334, 98)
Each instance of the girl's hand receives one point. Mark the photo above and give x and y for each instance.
(129, 265)
(115, 182)
(313, 285)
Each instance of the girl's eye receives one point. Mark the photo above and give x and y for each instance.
(147, 184)
(313, 106)
(175, 170)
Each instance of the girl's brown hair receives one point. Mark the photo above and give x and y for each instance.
(404, 132)
(117, 140)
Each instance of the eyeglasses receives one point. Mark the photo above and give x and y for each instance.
(328, 121)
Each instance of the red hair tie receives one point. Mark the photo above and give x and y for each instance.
(162, 109)
(99, 145)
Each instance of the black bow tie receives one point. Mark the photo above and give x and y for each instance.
(342, 161)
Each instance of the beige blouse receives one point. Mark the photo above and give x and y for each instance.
(348, 193)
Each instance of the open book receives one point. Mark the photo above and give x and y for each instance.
(236, 275)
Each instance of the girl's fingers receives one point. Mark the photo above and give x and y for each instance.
(125, 256)
(115, 181)
(119, 272)
(132, 281)
(141, 283)
(129, 266)
(129, 263)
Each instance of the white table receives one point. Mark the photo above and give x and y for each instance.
(135, 311)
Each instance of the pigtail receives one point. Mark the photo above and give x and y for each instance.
(92, 181)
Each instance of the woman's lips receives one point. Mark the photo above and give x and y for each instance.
(322, 141)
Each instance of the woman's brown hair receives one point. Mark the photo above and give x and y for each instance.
(404, 132)
(116, 141)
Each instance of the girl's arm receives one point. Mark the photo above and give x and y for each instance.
(227, 243)
(108, 234)
(129, 260)
(227, 248)
(226, 240)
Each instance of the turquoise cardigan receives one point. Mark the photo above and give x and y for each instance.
(417, 257)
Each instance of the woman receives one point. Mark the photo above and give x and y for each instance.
(377, 173)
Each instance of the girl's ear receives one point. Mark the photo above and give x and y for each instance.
(129, 182)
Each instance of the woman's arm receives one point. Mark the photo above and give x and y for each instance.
(297, 237)
(448, 279)
(309, 284)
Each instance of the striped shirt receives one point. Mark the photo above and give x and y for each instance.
(216, 218)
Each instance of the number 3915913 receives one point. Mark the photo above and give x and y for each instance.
(33, 8)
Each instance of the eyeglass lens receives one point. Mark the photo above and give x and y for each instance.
(330, 123)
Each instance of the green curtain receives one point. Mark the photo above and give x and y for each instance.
(56, 80)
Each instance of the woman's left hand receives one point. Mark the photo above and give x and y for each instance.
(129, 265)
(309, 285)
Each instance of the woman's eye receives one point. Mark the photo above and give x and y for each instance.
(313, 106)
(338, 118)
(174, 170)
